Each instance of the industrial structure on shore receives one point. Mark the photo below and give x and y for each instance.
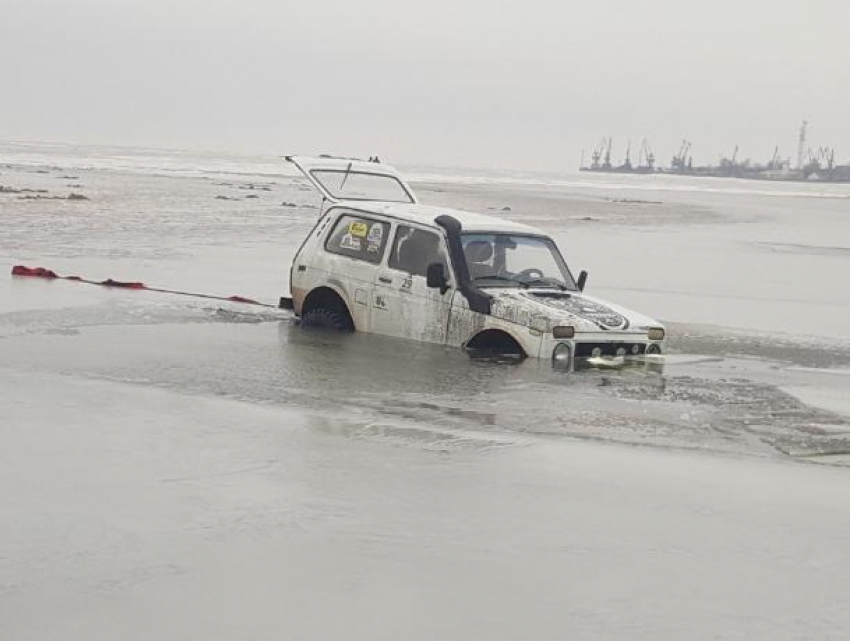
(812, 164)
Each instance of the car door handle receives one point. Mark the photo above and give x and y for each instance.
(385, 279)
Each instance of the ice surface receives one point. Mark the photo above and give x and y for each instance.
(137, 513)
(186, 468)
(834, 399)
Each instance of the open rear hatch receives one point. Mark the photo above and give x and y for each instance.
(350, 179)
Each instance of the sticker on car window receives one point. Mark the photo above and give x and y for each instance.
(376, 233)
(359, 238)
(358, 229)
(350, 242)
(375, 238)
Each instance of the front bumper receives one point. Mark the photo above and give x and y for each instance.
(599, 349)
(609, 348)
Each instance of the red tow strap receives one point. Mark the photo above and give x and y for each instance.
(41, 272)
(117, 283)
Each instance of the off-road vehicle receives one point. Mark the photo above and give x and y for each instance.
(378, 261)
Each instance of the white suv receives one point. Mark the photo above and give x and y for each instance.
(377, 261)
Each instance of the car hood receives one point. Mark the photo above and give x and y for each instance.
(545, 308)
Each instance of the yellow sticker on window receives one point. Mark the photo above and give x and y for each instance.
(358, 229)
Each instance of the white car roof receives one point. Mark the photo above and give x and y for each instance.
(425, 215)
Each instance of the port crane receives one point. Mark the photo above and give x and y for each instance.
(682, 162)
(646, 159)
(600, 158)
(730, 163)
(607, 161)
(775, 162)
(823, 159)
(595, 157)
(627, 164)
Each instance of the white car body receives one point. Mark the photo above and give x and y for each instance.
(353, 257)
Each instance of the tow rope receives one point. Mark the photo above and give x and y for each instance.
(41, 272)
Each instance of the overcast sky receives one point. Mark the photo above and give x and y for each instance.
(482, 83)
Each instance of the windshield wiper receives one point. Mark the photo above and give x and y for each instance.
(345, 177)
(552, 282)
(496, 277)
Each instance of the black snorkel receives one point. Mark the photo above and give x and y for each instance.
(479, 301)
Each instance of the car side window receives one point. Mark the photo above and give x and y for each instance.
(358, 237)
(414, 249)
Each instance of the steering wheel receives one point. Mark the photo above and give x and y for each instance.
(530, 274)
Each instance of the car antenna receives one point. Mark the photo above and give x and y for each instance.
(344, 178)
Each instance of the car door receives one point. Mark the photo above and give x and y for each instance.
(354, 248)
(348, 179)
(403, 304)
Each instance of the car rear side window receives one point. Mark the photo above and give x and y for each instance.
(358, 237)
(415, 249)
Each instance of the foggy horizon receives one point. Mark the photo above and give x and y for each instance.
(528, 87)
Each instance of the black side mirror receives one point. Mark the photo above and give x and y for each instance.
(436, 277)
(582, 279)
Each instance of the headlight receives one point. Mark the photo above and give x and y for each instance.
(656, 333)
(561, 354)
(564, 331)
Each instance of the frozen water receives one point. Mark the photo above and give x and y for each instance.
(187, 468)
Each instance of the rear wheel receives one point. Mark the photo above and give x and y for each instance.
(323, 308)
(326, 318)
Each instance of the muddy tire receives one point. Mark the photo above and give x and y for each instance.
(324, 318)
(495, 345)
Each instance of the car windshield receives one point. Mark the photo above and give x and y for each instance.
(515, 260)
